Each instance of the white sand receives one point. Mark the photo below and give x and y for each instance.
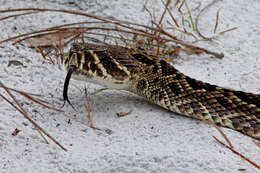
(150, 139)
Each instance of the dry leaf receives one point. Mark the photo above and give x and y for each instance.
(122, 114)
(15, 132)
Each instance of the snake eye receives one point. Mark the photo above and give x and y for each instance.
(75, 46)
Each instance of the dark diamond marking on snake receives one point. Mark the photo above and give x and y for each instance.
(168, 70)
(143, 59)
(109, 64)
(198, 85)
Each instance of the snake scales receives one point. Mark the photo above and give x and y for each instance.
(158, 81)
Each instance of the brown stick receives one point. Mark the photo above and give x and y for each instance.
(43, 137)
(16, 15)
(221, 132)
(237, 153)
(27, 95)
(257, 143)
(197, 19)
(90, 118)
(165, 9)
(112, 21)
(217, 19)
(170, 13)
(26, 116)
(218, 55)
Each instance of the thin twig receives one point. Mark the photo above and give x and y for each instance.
(231, 29)
(165, 9)
(90, 118)
(217, 19)
(221, 132)
(43, 137)
(230, 146)
(36, 100)
(170, 13)
(16, 15)
(18, 91)
(257, 143)
(197, 19)
(51, 30)
(182, 3)
(26, 116)
(109, 20)
(218, 55)
(237, 153)
(190, 16)
(120, 23)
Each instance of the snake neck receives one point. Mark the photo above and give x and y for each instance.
(167, 87)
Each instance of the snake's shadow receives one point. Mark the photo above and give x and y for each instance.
(114, 101)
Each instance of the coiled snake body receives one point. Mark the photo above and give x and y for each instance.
(121, 68)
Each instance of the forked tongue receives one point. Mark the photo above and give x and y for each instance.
(66, 85)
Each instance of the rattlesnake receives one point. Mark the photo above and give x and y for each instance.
(153, 78)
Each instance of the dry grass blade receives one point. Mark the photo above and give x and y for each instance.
(165, 9)
(30, 97)
(26, 116)
(216, 24)
(43, 54)
(46, 141)
(257, 143)
(217, 19)
(237, 153)
(148, 11)
(55, 38)
(170, 13)
(90, 118)
(197, 20)
(184, 32)
(228, 30)
(230, 146)
(199, 49)
(221, 132)
(15, 90)
(180, 7)
(190, 16)
(108, 20)
(16, 15)
(123, 24)
(54, 30)
(40, 102)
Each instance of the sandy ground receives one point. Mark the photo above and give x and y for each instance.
(150, 139)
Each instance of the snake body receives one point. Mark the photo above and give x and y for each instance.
(153, 78)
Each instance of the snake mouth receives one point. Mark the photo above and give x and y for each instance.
(71, 69)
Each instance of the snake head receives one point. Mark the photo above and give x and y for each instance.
(82, 60)
(72, 62)
(103, 65)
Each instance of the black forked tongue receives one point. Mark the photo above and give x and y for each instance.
(66, 85)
